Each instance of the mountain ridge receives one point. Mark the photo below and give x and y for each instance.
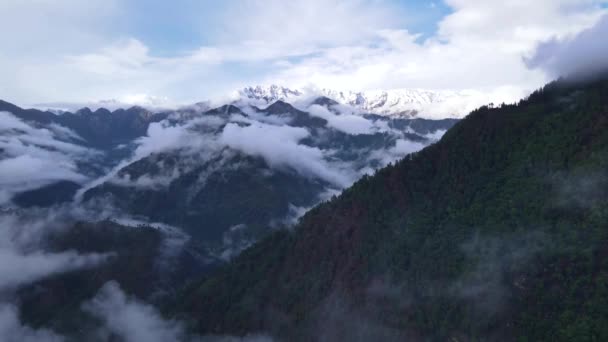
(402, 102)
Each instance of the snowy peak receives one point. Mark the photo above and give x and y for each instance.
(270, 93)
(402, 102)
(396, 102)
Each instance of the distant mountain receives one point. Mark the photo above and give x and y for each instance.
(406, 103)
(153, 103)
(498, 232)
(270, 94)
(101, 128)
(361, 143)
(162, 199)
(255, 170)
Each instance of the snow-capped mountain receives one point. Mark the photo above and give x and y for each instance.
(270, 94)
(407, 103)
(398, 103)
(404, 102)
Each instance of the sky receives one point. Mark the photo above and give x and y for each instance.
(185, 51)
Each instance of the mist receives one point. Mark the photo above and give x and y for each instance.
(11, 330)
(31, 157)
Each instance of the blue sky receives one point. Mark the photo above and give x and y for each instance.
(186, 50)
(181, 25)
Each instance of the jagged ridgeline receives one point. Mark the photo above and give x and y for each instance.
(497, 232)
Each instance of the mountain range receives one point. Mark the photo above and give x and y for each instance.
(307, 219)
(406, 103)
(213, 181)
(399, 103)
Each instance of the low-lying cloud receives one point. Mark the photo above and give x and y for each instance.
(31, 157)
(134, 321)
(279, 146)
(131, 319)
(401, 149)
(22, 259)
(11, 330)
(344, 122)
(165, 136)
(212, 141)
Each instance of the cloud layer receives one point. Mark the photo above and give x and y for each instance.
(22, 260)
(31, 157)
(325, 153)
(358, 45)
(279, 146)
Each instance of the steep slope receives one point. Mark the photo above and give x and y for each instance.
(497, 232)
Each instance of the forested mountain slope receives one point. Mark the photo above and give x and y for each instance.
(497, 232)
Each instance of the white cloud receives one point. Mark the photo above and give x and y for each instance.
(21, 259)
(11, 329)
(164, 136)
(401, 149)
(358, 45)
(257, 134)
(19, 268)
(584, 54)
(300, 27)
(345, 121)
(279, 146)
(32, 157)
(478, 47)
(135, 321)
(130, 319)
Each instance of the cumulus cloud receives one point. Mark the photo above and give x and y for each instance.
(582, 55)
(358, 45)
(279, 146)
(471, 42)
(31, 157)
